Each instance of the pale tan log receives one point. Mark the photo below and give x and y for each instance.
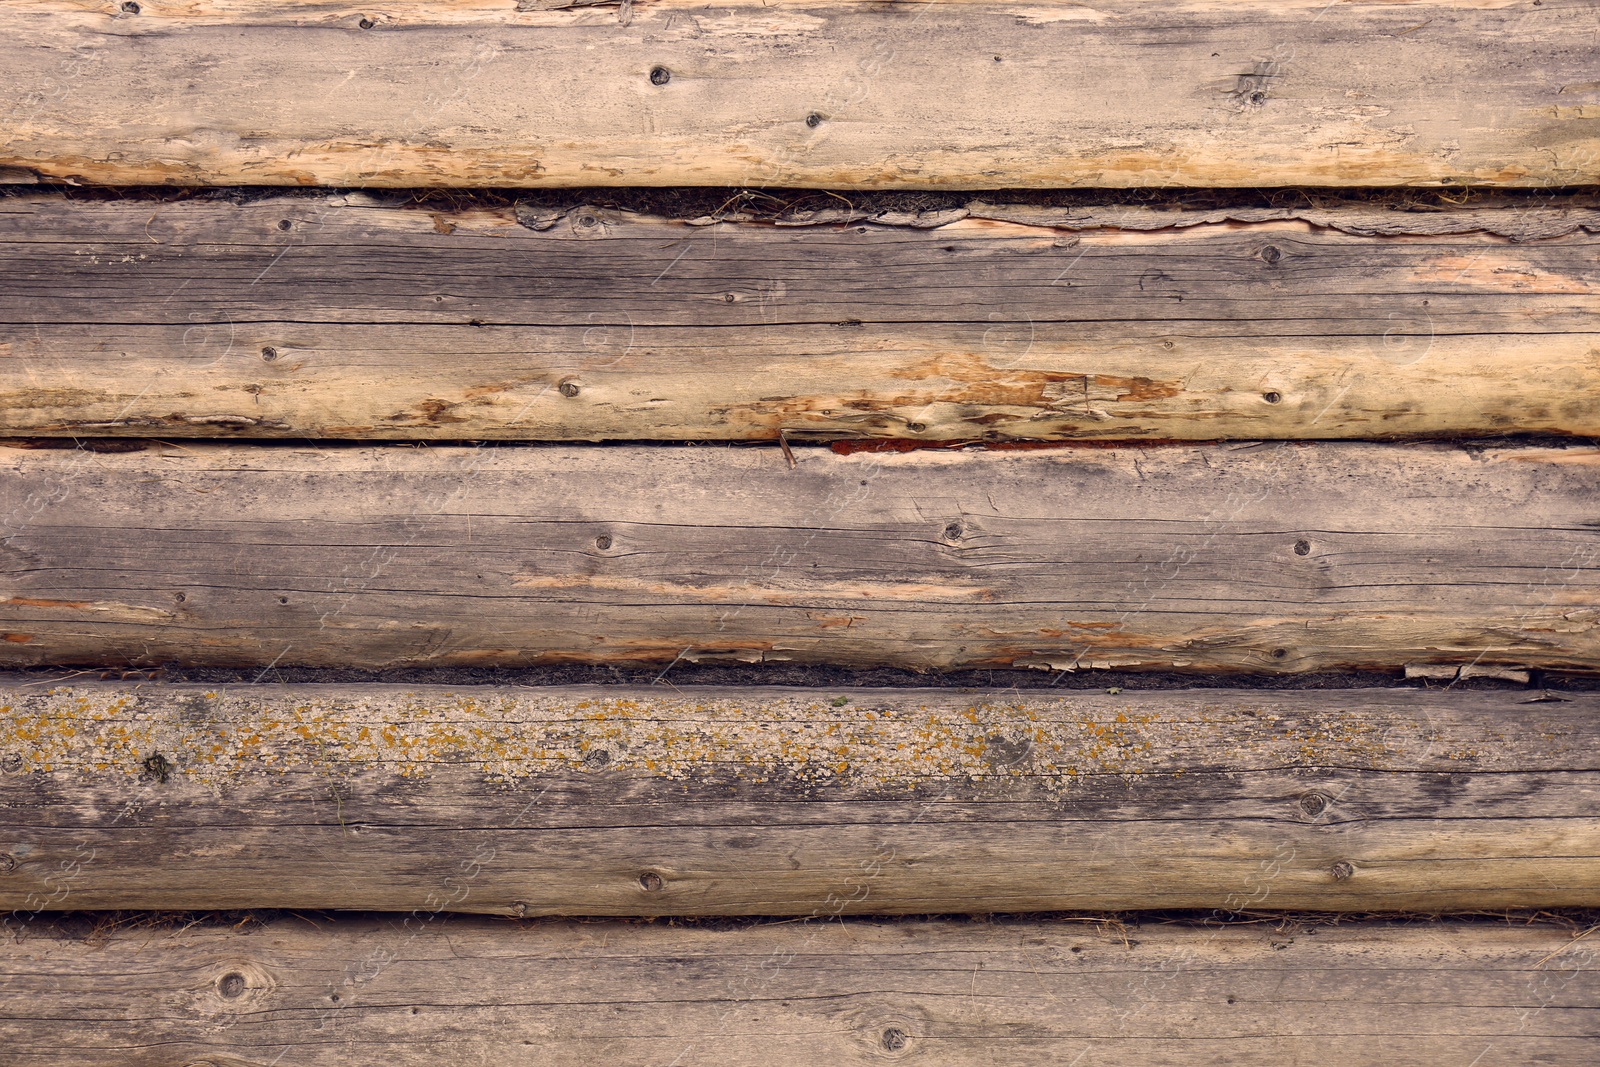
(669, 92)
(1273, 557)
(707, 801)
(441, 993)
(336, 317)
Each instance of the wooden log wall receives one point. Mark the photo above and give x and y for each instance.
(1269, 558)
(762, 801)
(423, 990)
(1073, 400)
(340, 317)
(819, 93)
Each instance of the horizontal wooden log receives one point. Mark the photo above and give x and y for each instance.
(404, 992)
(703, 801)
(1273, 557)
(340, 317)
(820, 93)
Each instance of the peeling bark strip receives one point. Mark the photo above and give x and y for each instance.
(338, 317)
(952, 95)
(1270, 557)
(404, 992)
(709, 801)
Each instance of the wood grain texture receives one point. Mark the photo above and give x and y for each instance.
(1272, 557)
(409, 991)
(340, 317)
(668, 92)
(707, 801)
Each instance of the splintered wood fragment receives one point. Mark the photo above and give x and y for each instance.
(422, 991)
(767, 801)
(1275, 557)
(1450, 672)
(339, 317)
(818, 93)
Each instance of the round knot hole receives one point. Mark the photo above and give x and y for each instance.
(156, 766)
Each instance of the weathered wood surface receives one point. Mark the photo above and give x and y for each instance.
(821, 94)
(1275, 557)
(705, 801)
(1281, 557)
(339, 317)
(407, 991)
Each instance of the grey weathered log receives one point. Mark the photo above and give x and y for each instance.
(409, 992)
(763, 801)
(1275, 557)
(339, 317)
(963, 95)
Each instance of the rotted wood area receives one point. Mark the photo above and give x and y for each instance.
(715, 801)
(1268, 557)
(420, 990)
(343, 317)
(962, 95)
